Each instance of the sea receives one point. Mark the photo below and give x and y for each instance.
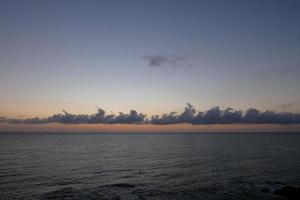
(140, 166)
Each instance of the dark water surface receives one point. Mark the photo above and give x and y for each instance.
(147, 166)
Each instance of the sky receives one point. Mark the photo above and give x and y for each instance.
(149, 56)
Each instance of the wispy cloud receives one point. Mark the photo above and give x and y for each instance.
(288, 69)
(2, 119)
(290, 105)
(190, 115)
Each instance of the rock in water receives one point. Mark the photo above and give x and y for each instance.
(288, 191)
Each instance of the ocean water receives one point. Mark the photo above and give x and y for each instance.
(147, 166)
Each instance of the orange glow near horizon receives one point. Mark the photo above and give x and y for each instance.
(54, 127)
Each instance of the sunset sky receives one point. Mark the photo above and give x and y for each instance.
(150, 56)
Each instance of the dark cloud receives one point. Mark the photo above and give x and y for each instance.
(163, 60)
(170, 118)
(212, 116)
(98, 118)
(228, 116)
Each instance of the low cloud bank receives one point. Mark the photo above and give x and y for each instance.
(228, 116)
(190, 115)
(100, 117)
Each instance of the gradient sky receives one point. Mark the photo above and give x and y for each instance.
(74, 55)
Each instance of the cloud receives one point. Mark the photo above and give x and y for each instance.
(190, 115)
(228, 116)
(288, 69)
(290, 105)
(2, 119)
(98, 118)
(163, 60)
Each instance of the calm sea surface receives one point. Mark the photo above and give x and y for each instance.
(147, 166)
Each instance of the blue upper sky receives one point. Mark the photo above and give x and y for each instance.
(153, 56)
